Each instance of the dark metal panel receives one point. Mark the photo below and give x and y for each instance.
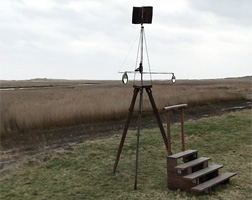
(142, 15)
(136, 15)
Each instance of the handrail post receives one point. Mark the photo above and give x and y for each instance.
(182, 129)
(169, 132)
(168, 109)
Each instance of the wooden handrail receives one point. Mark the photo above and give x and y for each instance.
(168, 109)
(175, 106)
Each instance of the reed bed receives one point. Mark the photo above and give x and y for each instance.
(73, 104)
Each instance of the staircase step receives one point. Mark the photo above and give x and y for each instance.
(203, 172)
(182, 154)
(192, 163)
(215, 181)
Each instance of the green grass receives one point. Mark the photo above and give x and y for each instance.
(85, 173)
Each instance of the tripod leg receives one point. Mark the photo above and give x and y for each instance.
(136, 90)
(138, 133)
(155, 110)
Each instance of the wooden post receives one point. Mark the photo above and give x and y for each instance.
(168, 109)
(155, 110)
(136, 90)
(169, 132)
(182, 129)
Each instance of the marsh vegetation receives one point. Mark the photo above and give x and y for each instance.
(47, 104)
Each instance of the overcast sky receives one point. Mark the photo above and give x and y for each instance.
(90, 39)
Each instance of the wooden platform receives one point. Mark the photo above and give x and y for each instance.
(212, 182)
(203, 172)
(183, 154)
(192, 163)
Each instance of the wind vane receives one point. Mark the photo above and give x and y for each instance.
(140, 15)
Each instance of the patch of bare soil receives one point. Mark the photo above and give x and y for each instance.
(35, 143)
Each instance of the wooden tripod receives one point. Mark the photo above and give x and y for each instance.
(138, 89)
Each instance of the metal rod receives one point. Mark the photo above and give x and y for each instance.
(182, 129)
(132, 72)
(138, 134)
(140, 106)
(141, 61)
(136, 90)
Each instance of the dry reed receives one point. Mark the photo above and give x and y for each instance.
(23, 110)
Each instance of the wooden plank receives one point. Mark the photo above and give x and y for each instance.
(192, 163)
(175, 106)
(203, 172)
(182, 154)
(215, 181)
(142, 86)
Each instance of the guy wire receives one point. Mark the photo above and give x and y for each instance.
(128, 53)
(146, 49)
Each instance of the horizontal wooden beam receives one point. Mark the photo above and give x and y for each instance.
(175, 106)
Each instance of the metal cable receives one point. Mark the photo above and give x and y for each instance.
(133, 44)
(146, 49)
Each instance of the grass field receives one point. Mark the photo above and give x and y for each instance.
(85, 172)
(46, 104)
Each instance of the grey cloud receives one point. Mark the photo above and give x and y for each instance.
(107, 19)
(236, 11)
(58, 38)
(185, 19)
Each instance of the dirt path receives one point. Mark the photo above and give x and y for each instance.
(35, 143)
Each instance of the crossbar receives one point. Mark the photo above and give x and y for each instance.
(175, 106)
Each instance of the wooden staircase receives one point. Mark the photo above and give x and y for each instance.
(194, 174)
